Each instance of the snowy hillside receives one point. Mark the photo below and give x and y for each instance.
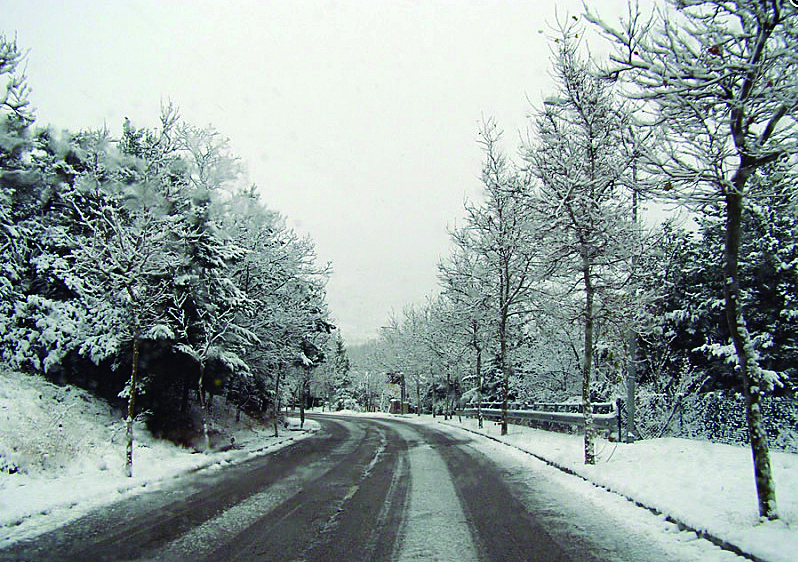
(61, 453)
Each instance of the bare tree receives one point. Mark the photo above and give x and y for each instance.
(466, 287)
(581, 159)
(502, 234)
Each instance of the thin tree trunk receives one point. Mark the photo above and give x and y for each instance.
(479, 383)
(631, 375)
(456, 402)
(203, 406)
(746, 359)
(505, 371)
(631, 384)
(276, 404)
(587, 366)
(302, 405)
(131, 408)
(404, 395)
(447, 409)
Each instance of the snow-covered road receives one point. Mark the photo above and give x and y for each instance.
(370, 490)
(435, 526)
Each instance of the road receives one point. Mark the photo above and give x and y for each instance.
(358, 490)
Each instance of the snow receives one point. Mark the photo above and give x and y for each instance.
(66, 451)
(706, 486)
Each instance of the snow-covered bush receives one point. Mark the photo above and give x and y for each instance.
(9, 462)
(717, 417)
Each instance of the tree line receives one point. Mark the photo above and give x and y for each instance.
(140, 263)
(559, 286)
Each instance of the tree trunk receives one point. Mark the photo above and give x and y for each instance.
(203, 407)
(447, 408)
(505, 370)
(587, 365)
(302, 405)
(131, 408)
(418, 396)
(402, 396)
(631, 374)
(479, 387)
(276, 404)
(746, 358)
(631, 384)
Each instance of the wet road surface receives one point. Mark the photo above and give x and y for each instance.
(358, 490)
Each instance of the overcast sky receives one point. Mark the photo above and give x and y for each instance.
(356, 119)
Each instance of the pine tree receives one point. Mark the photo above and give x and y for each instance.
(17, 179)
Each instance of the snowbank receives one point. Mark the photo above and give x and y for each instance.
(62, 454)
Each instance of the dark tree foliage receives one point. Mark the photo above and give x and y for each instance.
(694, 312)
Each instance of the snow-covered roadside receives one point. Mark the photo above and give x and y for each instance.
(62, 451)
(704, 485)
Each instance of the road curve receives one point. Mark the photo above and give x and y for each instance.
(358, 490)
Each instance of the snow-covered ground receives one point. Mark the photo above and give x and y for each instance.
(62, 454)
(706, 486)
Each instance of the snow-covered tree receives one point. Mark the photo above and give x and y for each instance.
(208, 305)
(339, 374)
(109, 243)
(502, 233)
(581, 157)
(691, 307)
(401, 354)
(447, 340)
(719, 78)
(551, 361)
(16, 114)
(16, 178)
(467, 287)
(122, 258)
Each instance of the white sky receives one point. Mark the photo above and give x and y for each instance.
(357, 119)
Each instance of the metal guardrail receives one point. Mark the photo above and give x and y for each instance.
(550, 416)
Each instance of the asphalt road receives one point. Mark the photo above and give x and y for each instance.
(358, 490)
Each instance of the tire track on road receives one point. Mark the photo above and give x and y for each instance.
(366, 526)
(505, 530)
(436, 527)
(143, 526)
